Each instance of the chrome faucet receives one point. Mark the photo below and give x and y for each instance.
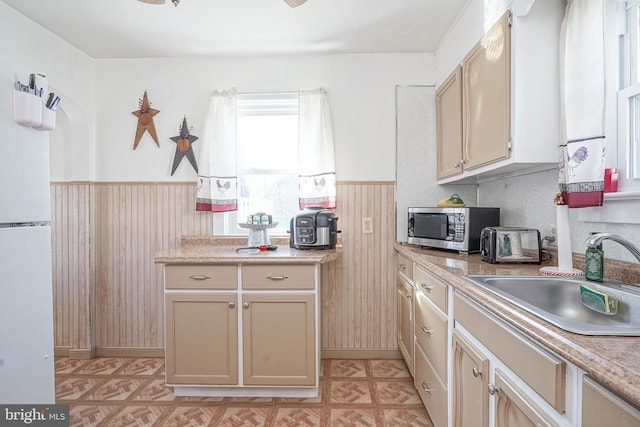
(597, 238)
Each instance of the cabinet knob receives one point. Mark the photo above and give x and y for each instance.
(245, 305)
(427, 331)
(426, 388)
(426, 287)
(232, 304)
(199, 277)
(403, 266)
(456, 165)
(492, 389)
(408, 296)
(476, 372)
(277, 277)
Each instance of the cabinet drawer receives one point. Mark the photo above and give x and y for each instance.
(541, 370)
(404, 265)
(435, 289)
(201, 277)
(431, 333)
(278, 276)
(431, 389)
(601, 407)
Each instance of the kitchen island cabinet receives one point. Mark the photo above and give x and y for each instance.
(243, 324)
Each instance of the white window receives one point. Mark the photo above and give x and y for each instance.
(626, 55)
(267, 148)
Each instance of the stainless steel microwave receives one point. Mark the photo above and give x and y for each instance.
(456, 229)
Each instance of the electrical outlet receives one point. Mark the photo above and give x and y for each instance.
(553, 230)
(367, 225)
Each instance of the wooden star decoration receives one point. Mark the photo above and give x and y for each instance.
(145, 121)
(184, 147)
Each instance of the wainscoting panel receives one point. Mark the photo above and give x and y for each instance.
(73, 268)
(108, 292)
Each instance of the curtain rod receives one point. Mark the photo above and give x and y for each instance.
(284, 92)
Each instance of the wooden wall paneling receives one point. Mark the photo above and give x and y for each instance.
(106, 236)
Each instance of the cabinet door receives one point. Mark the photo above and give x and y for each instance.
(449, 125)
(405, 321)
(513, 408)
(487, 97)
(201, 338)
(279, 339)
(470, 385)
(600, 407)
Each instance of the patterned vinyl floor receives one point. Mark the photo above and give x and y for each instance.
(109, 391)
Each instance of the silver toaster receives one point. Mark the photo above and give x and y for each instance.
(510, 244)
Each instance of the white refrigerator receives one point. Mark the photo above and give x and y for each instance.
(26, 294)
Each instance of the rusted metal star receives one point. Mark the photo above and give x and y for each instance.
(184, 147)
(145, 121)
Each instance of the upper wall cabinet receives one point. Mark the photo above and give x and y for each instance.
(499, 111)
(449, 125)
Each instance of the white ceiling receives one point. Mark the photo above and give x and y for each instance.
(131, 29)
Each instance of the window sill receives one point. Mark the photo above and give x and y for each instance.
(621, 208)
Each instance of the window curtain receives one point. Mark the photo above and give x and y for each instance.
(582, 87)
(316, 159)
(217, 187)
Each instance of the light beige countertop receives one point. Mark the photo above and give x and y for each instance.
(612, 360)
(219, 250)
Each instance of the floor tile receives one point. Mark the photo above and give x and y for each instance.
(189, 416)
(389, 369)
(115, 389)
(155, 391)
(103, 366)
(406, 417)
(298, 417)
(74, 388)
(142, 367)
(348, 368)
(350, 392)
(137, 416)
(397, 392)
(89, 415)
(249, 417)
(352, 417)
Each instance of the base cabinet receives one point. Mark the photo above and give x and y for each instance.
(405, 295)
(500, 379)
(242, 330)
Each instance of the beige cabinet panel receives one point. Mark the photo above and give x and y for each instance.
(542, 371)
(435, 289)
(431, 333)
(201, 276)
(513, 408)
(201, 338)
(449, 125)
(600, 407)
(404, 265)
(470, 384)
(432, 390)
(405, 321)
(278, 276)
(486, 76)
(279, 339)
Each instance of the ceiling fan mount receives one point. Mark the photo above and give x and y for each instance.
(292, 3)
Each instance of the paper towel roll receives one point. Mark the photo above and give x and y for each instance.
(565, 262)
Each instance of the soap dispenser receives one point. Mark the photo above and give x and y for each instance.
(594, 263)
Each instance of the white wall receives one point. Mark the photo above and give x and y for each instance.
(26, 45)
(361, 90)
